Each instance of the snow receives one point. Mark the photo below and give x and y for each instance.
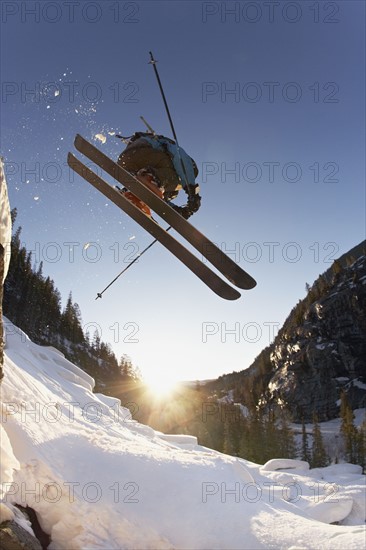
(332, 440)
(321, 346)
(8, 461)
(228, 398)
(100, 137)
(6, 514)
(100, 480)
(5, 218)
(359, 384)
(243, 409)
(284, 464)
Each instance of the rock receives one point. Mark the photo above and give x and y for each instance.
(319, 352)
(325, 352)
(32, 517)
(15, 537)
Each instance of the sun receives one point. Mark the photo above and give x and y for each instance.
(160, 385)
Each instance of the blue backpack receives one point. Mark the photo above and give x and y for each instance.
(173, 168)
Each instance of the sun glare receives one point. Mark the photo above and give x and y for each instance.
(161, 386)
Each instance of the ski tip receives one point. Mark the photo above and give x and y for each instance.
(70, 159)
(77, 139)
(252, 283)
(233, 298)
(246, 283)
(229, 293)
(80, 142)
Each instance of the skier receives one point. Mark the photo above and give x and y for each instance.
(164, 167)
(232, 271)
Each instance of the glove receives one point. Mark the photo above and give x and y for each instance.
(194, 202)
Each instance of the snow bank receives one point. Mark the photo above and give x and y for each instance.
(285, 464)
(8, 461)
(100, 480)
(5, 218)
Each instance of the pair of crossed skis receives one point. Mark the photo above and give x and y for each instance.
(225, 265)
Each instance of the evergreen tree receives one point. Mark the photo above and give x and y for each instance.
(305, 451)
(349, 431)
(244, 443)
(287, 439)
(319, 457)
(271, 438)
(32, 302)
(71, 322)
(96, 342)
(127, 369)
(336, 270)
(233, 426)
(362, 446)
(256, 438)
(13, 215)
(228, 447)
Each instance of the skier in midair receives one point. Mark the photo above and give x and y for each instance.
(160, 164)
(223, 263)
(164, 167)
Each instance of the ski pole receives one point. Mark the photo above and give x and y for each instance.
(148, 125)
(100, 294)
(153, 63)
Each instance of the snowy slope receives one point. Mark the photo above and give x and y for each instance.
(5, 218)
(98, 479)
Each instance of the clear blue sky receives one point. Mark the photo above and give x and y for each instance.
(273, 91)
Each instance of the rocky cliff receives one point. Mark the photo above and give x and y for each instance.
(322, 346)
(319, 351)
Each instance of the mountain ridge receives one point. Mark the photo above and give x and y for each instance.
(319, 351)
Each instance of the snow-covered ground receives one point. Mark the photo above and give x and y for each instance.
(331, 434)
(98, 479)
(5, 219)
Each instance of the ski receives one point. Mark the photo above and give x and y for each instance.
(232, 271)
(201, 270)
